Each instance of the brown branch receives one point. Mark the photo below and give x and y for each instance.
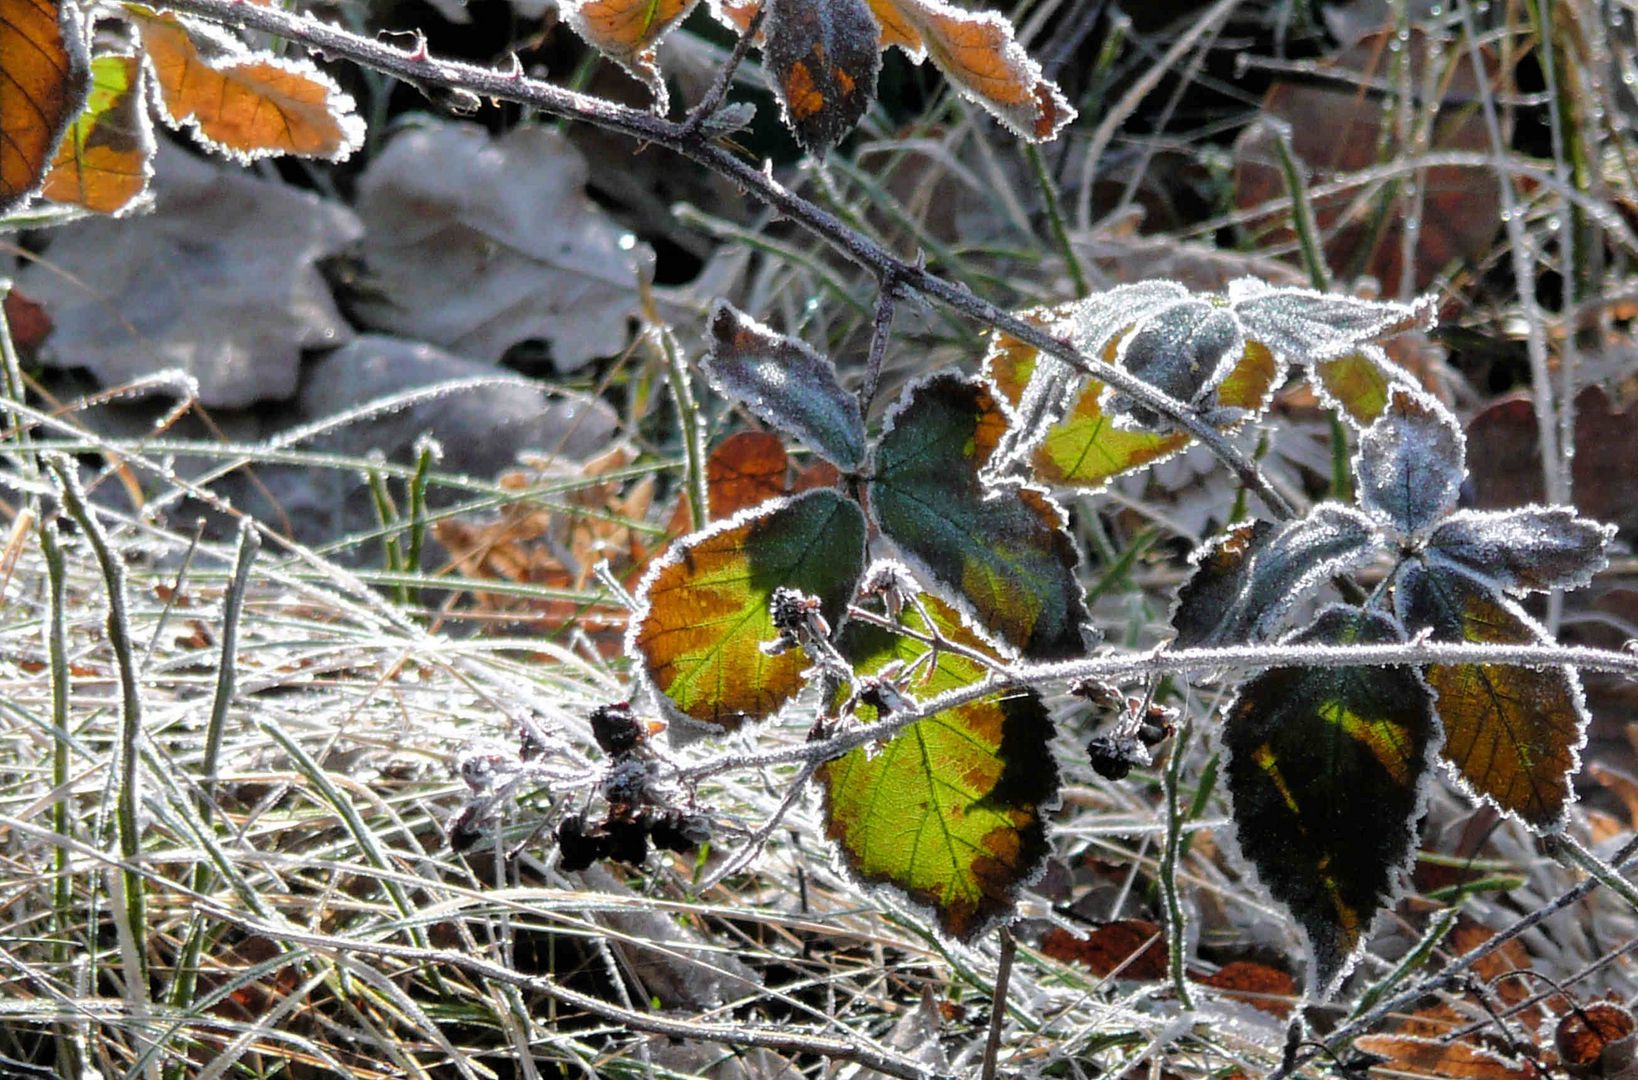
(420, 68)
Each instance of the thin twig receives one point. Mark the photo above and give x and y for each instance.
(881, 331)
(712, 101)
(998, 1002)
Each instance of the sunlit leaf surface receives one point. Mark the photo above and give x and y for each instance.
(44, 79)
(106, 157)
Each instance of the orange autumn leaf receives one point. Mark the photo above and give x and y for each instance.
(1258, 985)
(105, 158)
(1125, 949)
(44, 81)
(626, 31)
(744, 470)
(979, 52)
(1409, 1056)
(245, 105)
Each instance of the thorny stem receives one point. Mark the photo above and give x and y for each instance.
(881, 331)
(1126, 667)
(422, 69)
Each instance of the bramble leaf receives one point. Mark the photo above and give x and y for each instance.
(242, 104)
(44, 83)
(105, 159)
(1531, 549)
(1324, 770)
(1184, 351)
(786, 383)
(1357, 384)
(1085, 449)
(704, 606)
(1410, 463)
(951, 811)
(744, 470)
(626, 31)
(824, 58)
(1513, 734)
(1302, 326)
(1001, 545)
(1261, 574)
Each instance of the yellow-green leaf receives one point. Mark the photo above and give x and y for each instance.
(106, 157)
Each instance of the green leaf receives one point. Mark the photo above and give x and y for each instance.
(703, 614)
(1356, 385)
(1086, 449)
(1000, 545)
(1411, 462)
(951, 811)
(785, 382)
(1532, 549)
(1513, 734)
(1325, 771)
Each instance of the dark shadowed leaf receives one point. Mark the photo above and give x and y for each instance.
(1125, 948)
(244, 104)
(1184, 351)
(824, 58)
(1410, 463)
(1245, 582)
(1324, 770)
(1528, 550)
(1302, 326)
(786, 383)
(1513, 734)
(704, 605)
(46, 77)
(106, 156)
(1001, 546)
(626, 31)
(951, 811)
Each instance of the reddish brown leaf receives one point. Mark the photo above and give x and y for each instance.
(28, 321)
(1258, 985)
(44, 79)
(1125, 948)
(245, 105)
(1590, 1036)
(744, 470)
(1409, 1056)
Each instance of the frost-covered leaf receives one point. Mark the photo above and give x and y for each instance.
(243, 104)
(626, 31)
(704, 606)
(951, 812)
(497, 245)
(1412, 1057)
(220, 281)
(1356, 384)
(1532, 549)
(46, 77)
(1245, 580)
(786, 383)
(1001, 546)
(1324, 770)
(1302, 326)
(105, 159)
(1513, 734)
(1184, 351)
(1074, 443)
(1411, 462)
(824, 58)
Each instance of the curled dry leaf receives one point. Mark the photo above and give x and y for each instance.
(46, 77)
(1410, 1056)
(106, 157)
(1125, 949)
(242, 104)
(1592, 1035)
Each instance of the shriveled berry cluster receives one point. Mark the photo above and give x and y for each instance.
(636, 811)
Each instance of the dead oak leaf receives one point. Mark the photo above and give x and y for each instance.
(496, 245)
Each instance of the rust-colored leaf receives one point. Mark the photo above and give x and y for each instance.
(1589, 1035)
(44, 78)
(243, 104)
(1409, 1056)
(744, 470)
(1258, 985)
(106, 157)
(824, 59)
(1125, 948)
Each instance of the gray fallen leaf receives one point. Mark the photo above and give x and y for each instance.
(476, 244)
(218, 281)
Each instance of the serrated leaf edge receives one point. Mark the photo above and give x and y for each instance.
(1579, 581)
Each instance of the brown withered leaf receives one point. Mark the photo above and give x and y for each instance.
(1125, 948)
(242, 104)
(1590, 1035)
(1409, 1056)
(105, 158)
(743, 470)
(1258, 985)
(44, 82)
